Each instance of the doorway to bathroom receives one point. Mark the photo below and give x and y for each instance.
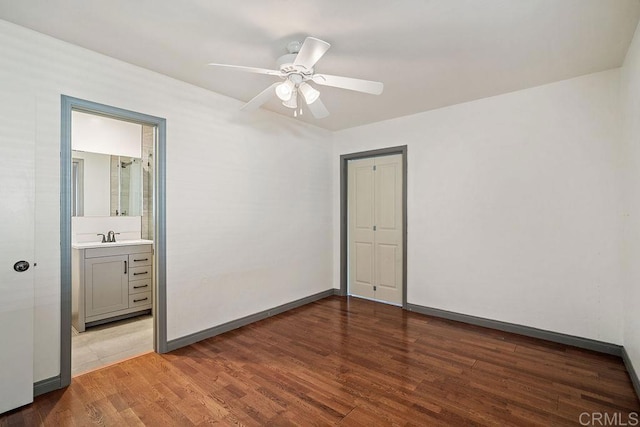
(113, 236)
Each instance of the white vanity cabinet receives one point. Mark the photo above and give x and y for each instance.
(110, 282)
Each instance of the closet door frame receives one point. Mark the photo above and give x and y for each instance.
(344, 214)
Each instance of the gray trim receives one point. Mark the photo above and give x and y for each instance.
(65, 242)
(46, 385)
(344, 225)
(160, 238)
(599, 346)
(238, 323)
(160, 317)
(344, 161)
(632, 372)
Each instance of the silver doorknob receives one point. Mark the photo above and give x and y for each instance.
(21, 266)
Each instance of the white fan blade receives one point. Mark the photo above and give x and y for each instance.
(318, 109)
(251, 69)
(260, 98)
(311, 51)
(359, 85)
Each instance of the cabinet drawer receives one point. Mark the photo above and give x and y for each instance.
(116, 250)
(139, 273)
(139, 300)
(139, 260)
(137, 286)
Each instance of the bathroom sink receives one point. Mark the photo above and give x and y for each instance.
(87, 245)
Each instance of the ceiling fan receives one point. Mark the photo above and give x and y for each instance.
(296, 69)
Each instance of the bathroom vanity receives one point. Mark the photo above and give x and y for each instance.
(110, 281)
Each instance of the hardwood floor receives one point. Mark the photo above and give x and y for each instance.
(348, 362)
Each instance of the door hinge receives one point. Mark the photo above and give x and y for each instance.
(374, 228)
(374, 167)
(374, 288)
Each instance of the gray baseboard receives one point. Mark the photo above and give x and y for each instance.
(599, 346)
(46, 385)
(632, 372)
(238, 323)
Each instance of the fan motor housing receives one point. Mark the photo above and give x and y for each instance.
(285, 64)
(286, 61)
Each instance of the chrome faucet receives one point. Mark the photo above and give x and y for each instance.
(104, 240)
(111, 237)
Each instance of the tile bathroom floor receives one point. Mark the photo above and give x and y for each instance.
(109, 343)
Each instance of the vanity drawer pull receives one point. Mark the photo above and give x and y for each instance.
(138, 274)
(141, 299)
(142, 259)
(139, 286)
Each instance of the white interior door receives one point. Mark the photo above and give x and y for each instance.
(361, 221)
(375, 228)
(388, 234)
(17, 147)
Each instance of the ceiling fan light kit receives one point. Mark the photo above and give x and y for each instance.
(292, 102)
(296, 69)
(310, 94)
(284, 91)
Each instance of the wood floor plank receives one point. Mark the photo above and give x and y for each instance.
(351, 362)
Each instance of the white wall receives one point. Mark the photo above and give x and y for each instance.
(513, 205)
(630, 90)
(248, 196)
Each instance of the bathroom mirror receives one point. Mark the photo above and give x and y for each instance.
(106, 185)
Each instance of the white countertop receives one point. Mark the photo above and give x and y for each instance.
(89, 245)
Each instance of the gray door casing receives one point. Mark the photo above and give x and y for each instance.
(159, 211)
(344, 220)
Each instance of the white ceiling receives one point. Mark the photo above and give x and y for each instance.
(429, 54)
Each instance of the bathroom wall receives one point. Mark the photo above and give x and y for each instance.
(100, 134)
(84, 229)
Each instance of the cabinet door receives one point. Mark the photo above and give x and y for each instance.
(106, 285)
